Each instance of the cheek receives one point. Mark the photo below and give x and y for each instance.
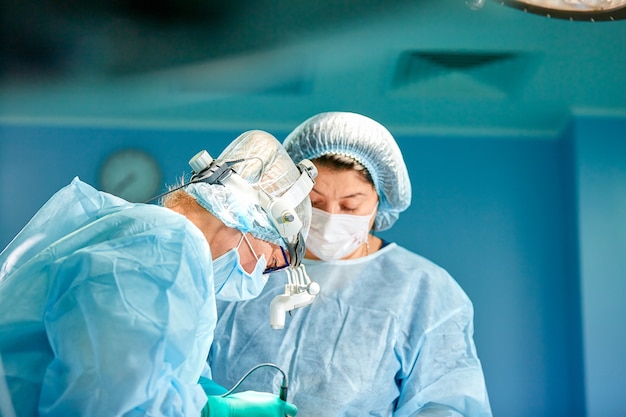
(248, 254)
(262, 248)
(248, 263)
(249, 260)
(267, 250)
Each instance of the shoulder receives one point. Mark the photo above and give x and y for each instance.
(150, 244)
(147, 219)
(432, 300)
(157, 228)
(151, 237)
(425, 278)
(400, 259)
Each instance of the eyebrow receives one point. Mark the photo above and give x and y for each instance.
(357, 194)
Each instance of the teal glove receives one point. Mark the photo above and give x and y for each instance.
(248, 404)
(211, 387)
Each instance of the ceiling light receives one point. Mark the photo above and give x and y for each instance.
(591, 10)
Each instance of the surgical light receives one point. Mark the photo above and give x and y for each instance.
(590, 10)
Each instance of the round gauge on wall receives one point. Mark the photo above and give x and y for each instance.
(132, 174)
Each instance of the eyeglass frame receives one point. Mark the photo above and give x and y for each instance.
(278, 268)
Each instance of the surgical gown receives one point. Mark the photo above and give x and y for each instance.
(106, 309)
(390, 334)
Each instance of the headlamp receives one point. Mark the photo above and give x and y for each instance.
(281, 211)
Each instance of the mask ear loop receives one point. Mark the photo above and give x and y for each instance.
(256, 257)
(371, 229)
(244, 237)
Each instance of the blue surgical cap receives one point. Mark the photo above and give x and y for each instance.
(367, 142)
(265, 164)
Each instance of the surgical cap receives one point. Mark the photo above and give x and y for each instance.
(367, 142)
(265, 164)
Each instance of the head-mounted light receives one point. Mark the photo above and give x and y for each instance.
(281, 210)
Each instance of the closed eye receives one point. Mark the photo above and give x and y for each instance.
(277, 263)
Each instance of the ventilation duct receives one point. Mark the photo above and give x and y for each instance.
(460, 73)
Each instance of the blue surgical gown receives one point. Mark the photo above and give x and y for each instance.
(106, 309)
(390, 334)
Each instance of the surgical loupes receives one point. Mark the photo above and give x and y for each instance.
(300, 291)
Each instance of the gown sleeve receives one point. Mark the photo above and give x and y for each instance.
(442, 375)
(130, 320)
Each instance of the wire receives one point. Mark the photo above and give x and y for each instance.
(283, 389)
(166, 193)
(193, 181)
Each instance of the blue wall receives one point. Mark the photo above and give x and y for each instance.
(501, 214)
(36, 161)
(601, 176)
(498, 214)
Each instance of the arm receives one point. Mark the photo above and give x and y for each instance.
(127, 337)
(442, 375)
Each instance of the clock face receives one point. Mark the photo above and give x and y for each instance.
(131, 174)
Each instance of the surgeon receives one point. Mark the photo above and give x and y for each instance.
(107, 308)
(390, 333)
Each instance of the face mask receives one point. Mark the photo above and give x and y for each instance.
(232, 282)
(334, 236)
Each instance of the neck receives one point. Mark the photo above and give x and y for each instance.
(219, 237)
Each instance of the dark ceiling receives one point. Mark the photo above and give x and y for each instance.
(120, 37)
(433, 65)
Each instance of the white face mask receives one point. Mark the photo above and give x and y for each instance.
(232, 282)
(334, 236)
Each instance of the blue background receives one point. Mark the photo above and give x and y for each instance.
(532, 227)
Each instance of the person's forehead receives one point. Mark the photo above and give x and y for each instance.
(343, 184)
